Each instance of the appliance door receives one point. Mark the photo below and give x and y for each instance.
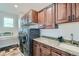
(20, 41)
(21, 45)
(33, 33)
(24, 43)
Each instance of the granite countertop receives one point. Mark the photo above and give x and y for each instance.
(62, 46)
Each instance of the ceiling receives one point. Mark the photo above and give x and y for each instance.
(22, 7)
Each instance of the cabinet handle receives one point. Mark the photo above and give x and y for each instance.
(69, 18)
(45, 46)
(73, 17)
(35, 45)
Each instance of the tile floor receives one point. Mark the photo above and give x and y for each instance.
(11, 52)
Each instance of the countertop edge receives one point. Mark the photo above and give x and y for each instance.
(66, 50)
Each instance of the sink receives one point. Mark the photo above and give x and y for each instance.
(69, 47)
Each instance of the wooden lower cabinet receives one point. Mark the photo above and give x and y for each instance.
(36, 49)
(57, 52)
(54, 54)
(45, 50)
(40, 49)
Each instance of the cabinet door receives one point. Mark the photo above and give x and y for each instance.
(57, 52)
(36, 49)
(49, 20)
(54, 16)
(77, 11)
(61, 13)
(54, 54)
(73, 12)
(65, 54)
(45, 50)
(34, 16)
(41, 18)
(69, 12)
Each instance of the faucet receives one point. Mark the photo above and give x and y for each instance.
(72, 41)
(61, 39)
(72, 38)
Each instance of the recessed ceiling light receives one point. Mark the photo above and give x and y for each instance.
(16, 6)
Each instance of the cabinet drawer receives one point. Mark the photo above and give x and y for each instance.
(65, 53)
(60, 52)
(36, 49)
(56, 51)
(54, 54)
(35, 42)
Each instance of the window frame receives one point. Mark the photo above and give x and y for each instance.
(10, 23)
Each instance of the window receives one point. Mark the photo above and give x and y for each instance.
(8, 22)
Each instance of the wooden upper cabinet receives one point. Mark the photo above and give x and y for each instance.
(61, 9)
(73, 12)
(77, 11)
(54, 16)
(46, 17)
(50, 17)
(35, 16)
(69, 8)
(49, 21)
(41, 18)
(67, 12)
(73, 9)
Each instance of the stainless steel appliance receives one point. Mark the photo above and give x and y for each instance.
(25, 38)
